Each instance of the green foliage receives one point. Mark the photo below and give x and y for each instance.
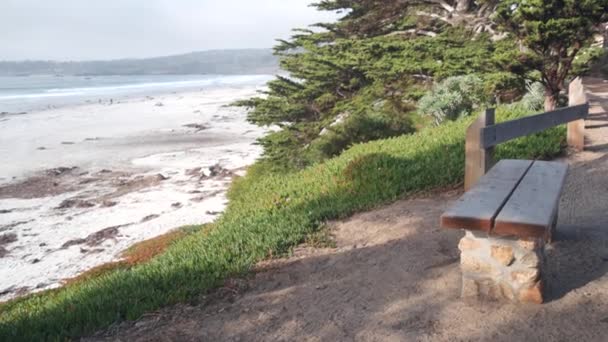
(586, 59)
(534, 99)
(267, 215)
(376, 81)
(554, 33)
(453, 98)
(373, 64)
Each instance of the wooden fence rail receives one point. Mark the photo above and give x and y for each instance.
(484, 134)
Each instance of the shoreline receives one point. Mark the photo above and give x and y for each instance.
(80, 202)
(114, 89)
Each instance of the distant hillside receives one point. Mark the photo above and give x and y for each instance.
(249, 61)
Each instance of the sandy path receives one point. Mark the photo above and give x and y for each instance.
(394, 276)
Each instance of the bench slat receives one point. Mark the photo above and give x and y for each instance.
(531, 209)
(477, 208)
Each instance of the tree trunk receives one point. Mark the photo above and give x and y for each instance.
(551, 98)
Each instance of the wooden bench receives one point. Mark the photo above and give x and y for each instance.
(508, 216)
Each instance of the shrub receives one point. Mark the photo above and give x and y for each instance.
(453, 98)
(534, 99)
(357, 127)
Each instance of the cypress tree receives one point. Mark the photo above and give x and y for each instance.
(553, 33)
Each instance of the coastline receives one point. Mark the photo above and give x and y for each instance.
(83, 183)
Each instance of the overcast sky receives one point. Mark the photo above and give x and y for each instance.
(104, 29)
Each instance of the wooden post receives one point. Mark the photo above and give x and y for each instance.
(477, 159)
(576, 129)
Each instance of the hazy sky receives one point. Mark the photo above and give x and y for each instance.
(103, 29)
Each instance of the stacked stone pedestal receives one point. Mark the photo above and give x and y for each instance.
(502, 268)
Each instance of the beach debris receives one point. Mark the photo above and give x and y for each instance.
(13, 225)
(197, 127)
(159, 104)
(6, 211)
(5, 239)
(58, 171)
(212, 213)
(218, 171)
(108, 204)
(176, 205)
(36, 260)
(91, 251)
(87, 181)
(92, 139)
(75, 203)
(206, 195)
(96, 238)
(41, 148)
(193, 172)
(18, 291)
(47, 183)
(127, 185)
(149, 218)
(67, 143)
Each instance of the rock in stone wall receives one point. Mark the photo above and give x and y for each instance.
(501, 268)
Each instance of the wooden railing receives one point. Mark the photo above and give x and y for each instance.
(484, 133)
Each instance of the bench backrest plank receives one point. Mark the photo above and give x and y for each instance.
(532, 207)
(477, 208)
(505, 131)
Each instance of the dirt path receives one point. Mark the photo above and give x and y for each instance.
(394, 277)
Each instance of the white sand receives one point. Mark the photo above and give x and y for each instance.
(137, 136)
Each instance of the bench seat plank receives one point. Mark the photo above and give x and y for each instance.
(531, 210)
(477, 208)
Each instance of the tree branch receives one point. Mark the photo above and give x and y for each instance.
(433, 15)
(415, 31)
(445, 5)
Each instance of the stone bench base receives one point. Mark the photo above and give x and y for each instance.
(502, 268)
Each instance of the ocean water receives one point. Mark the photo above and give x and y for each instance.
(19, 95)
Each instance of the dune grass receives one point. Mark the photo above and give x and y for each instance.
(267, 215)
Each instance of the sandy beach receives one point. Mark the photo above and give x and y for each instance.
(80, 184)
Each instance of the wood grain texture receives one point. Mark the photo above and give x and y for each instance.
(576, 135)
(576, 129)
(477, 208)
(531, 209)
(478, 160)
(505, 131)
